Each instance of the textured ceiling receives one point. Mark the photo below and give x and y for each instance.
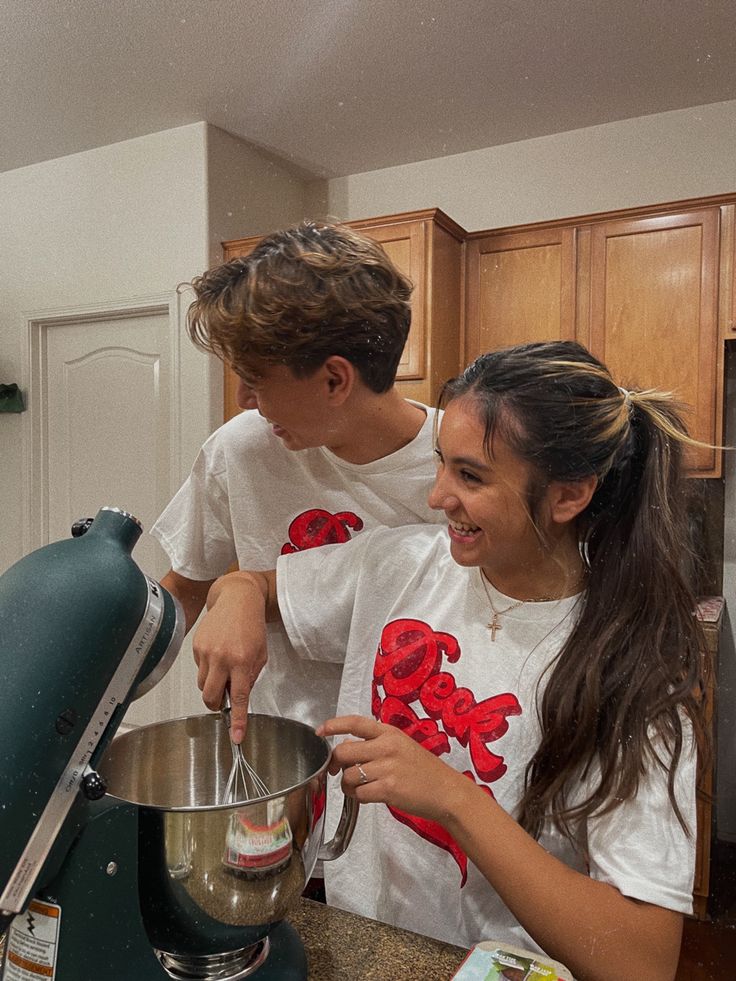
(344, 86)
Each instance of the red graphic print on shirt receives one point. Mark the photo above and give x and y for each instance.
(435, 834)
(408, 671)
(316, 527)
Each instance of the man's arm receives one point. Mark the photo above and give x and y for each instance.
(191, 593)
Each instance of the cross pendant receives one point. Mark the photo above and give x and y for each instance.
(494, 625)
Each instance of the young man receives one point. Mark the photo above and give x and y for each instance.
(313, 322)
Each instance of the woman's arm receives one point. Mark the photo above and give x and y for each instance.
(230, 642)
(590, 926)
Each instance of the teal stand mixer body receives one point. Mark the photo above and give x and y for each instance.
(82, 633)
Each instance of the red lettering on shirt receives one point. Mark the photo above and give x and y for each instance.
(424, 731)
(408, 669)
(435, 834)
(409, 653)
(471, 723)
(316, 527)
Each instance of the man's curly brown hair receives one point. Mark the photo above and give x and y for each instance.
(304, 294)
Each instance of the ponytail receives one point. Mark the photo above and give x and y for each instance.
(618, 688)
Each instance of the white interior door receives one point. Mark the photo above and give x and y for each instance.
(106, 425)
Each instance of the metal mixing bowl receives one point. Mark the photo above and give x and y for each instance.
(215, 876)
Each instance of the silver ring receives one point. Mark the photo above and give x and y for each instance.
(363, 774)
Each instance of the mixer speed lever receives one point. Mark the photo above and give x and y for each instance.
(93, 786)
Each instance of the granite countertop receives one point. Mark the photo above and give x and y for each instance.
(341, 946)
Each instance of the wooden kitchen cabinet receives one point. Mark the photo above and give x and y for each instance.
(427, 246)
(520, 287)
(648, 292)
(652, 311)
(727, 282)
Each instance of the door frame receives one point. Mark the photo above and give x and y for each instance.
(34, 436)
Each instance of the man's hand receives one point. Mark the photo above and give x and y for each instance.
(230, 643)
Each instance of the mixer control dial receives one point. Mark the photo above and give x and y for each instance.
(93, 786)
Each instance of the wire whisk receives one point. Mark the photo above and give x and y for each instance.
(243, 783)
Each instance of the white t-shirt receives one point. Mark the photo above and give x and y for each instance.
(248, 499)
(411, 626)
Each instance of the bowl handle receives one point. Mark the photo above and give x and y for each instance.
(343, 833)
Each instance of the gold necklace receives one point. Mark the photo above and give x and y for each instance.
(495, 625)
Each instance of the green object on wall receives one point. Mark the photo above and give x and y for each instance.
(11, 399)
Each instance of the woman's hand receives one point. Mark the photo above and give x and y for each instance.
(589, 925)
(384, 765)
(230, 643)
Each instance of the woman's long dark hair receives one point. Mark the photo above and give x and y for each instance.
(634, 662)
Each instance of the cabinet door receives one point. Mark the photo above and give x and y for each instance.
(704, 817)
(520, 288)
(406, 246)
(727, 284)
(427, 246)
(653, 312)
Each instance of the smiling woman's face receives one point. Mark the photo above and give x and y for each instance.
(485, 500)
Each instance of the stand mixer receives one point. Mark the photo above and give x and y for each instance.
(118, 861)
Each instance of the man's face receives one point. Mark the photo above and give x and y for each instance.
(296, 407)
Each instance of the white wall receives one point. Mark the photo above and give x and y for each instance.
(665, 157)
(249, 191)
(129, 220)
(122, 221)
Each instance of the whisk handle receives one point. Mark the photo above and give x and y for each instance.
(226, 707)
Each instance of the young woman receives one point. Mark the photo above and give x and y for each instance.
(523, 708)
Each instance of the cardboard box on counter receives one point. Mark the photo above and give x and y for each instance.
(492, 960)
